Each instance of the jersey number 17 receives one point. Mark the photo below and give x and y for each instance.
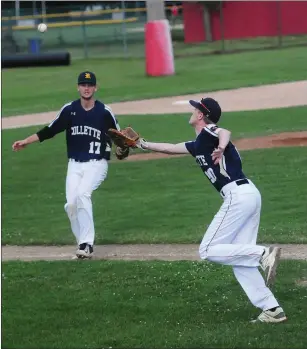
(95, 147)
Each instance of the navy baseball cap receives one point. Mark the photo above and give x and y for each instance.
(87, 77)
(209, 107)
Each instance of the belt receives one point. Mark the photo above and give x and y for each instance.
(230, 186)
(74, 160)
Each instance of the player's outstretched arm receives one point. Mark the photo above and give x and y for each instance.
(18, 145)
(167, 148)
(128, 137)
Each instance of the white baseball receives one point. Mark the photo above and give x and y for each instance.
(42, 27)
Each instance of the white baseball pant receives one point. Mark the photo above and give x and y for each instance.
(231, 240)
(81, 180)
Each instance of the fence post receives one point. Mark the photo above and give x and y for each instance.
(222, 26)
(34, 9)
(44, 18)
(124, 29)
(17, 11)
(207, 22)
(279, 24)
(84, 36)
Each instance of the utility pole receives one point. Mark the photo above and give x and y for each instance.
(155, 10)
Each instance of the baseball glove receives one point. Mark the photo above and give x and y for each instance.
(121, 153)
(124, 138)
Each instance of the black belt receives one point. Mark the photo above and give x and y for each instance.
(238, 182)
(242, 181)
(75, 160)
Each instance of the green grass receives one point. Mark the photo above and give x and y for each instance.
(181, 48)
(44, 89)
(133, 205)
(143, 305)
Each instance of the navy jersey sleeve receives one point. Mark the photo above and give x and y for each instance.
(59, 124)
(190, 147)
(111, 120)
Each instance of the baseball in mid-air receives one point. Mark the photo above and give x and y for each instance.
(42, 27)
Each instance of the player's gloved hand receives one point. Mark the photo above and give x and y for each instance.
(121, 153)
(217, 155)
(124, 138)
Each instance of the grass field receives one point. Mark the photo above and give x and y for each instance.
(136, 46)
(33, 187)
(143, 305)
(45, 89)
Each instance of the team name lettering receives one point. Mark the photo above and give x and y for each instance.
(85, 130)
(200, 159)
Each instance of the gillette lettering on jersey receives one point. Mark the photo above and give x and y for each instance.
(85, 130)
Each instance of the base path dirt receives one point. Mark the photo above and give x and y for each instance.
(246, 98)
(167, 252)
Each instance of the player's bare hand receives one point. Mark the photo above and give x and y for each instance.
(217, 155)
(18, 145)
(138, 144)
(141, 143)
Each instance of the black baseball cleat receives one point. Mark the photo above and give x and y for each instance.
(85, 251)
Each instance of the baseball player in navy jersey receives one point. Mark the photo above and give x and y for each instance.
(86, 122)
(231, 237)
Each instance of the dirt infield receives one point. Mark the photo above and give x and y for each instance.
(167, 252)
(251, 98)
(247, 98)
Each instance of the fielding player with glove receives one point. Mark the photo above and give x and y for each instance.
(231, 238)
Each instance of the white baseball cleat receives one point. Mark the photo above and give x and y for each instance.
(269, 316)
(269, 262)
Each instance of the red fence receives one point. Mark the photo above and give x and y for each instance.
(242, 19)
